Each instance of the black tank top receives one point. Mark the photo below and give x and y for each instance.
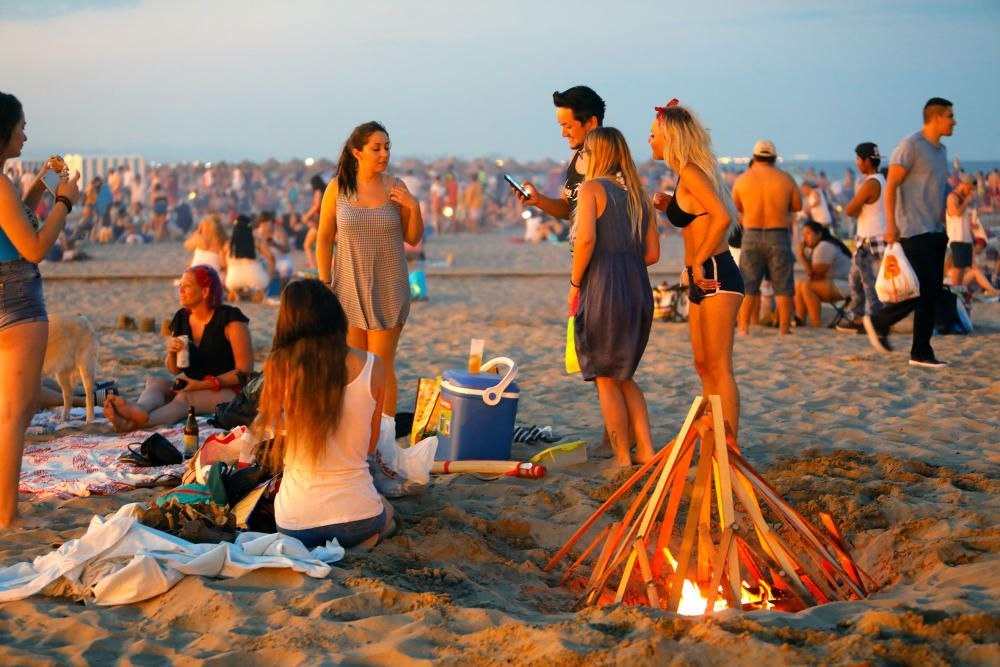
(677, 216)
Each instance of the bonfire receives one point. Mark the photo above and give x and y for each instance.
(736, 561)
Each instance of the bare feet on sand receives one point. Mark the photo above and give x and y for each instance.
(124, 416)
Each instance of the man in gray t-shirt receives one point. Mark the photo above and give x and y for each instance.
(915, 195)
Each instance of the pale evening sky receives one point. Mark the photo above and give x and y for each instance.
(232, 79)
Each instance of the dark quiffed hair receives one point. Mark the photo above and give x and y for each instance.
(934, 106)
(11, 112)
(765, 159)
(825, 235)
(241, 242)
(583, 101)
(347, 167)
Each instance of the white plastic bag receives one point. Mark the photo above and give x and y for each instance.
(401, 471)
(896, 279)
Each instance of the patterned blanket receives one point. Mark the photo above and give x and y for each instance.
(85, 464)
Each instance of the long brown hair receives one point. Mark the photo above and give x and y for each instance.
(607, 155)
(305, 374)
(347, 167)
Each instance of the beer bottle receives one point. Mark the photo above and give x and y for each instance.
(190, 434)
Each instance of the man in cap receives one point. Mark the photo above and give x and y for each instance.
(767, 199)
(868, 207)
(915, 195)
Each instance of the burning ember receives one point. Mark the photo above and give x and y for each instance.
(800, 567)
(693, 603)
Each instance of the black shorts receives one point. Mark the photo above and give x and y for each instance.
(961, 254)
(21, 296)
(723, 268)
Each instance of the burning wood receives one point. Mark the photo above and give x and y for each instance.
(799, 568)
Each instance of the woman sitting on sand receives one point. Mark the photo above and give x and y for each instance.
(244, 272)
(209, 244)
(828, 265)
(702, 209)
(324, 399)
(616, 239)
(219, 350)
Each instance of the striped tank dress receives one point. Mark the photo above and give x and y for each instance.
(371, 278)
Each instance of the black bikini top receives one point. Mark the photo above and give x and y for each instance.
(677, 216)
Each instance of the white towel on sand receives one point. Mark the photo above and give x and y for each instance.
(121, 561)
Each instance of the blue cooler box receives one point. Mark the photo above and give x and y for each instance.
(477, 412)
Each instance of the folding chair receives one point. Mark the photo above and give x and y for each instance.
(841, 313)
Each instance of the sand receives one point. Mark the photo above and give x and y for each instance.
(907, 460)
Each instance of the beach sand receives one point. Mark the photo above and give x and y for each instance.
(907, 460)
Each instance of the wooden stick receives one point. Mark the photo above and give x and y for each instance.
(804, 528)
(705, 548)
(842, 553)
(791, 582)
(586, 553)
(607, 503)
(674, 497)
(724, 487)
(718, 565)
(614, 540)
(691, 525)
(697, 408)
(774, 545)
(647, 574)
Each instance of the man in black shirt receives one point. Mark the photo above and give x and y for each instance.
(578, 110)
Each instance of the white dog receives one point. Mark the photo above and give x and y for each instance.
(72, 351)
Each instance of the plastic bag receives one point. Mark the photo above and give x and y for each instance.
(896, 280)
(572, 363)
(401, 471)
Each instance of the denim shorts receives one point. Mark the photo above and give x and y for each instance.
(348, 535)
(767, 253)
(723, 268)
(21, 296)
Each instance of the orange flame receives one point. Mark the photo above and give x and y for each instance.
(693, 603)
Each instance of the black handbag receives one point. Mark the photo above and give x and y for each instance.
(242, 410)
(155, 450)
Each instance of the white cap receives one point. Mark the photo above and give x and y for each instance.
(765, 148)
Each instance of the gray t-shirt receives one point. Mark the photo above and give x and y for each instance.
(828, 253)
(920, 200)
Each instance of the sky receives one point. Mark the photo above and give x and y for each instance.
(183, 80)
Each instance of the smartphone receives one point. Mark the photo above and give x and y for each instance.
(50, 179)
(517, 186)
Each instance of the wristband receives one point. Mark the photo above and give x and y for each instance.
(65, 202)
(214, 381)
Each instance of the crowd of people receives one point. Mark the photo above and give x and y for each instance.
(337, 335)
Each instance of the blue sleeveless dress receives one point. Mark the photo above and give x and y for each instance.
(615, 311)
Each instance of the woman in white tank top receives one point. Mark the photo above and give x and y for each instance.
(326, 398)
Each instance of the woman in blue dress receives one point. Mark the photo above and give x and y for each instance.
(616, 239)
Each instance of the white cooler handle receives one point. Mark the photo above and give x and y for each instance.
(493, 395)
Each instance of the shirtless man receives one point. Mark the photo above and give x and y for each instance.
(767, 199)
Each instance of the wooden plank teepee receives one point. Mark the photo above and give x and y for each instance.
(804, 565)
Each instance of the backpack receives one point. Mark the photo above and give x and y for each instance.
(242, 410)
(951, 314)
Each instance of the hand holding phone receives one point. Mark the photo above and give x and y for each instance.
(520, 189)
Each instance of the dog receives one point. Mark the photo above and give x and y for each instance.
(72, 351)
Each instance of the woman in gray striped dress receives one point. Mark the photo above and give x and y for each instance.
(368, 215)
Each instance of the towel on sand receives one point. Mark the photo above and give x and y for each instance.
(121, 561)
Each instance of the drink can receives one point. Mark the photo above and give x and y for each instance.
(184, 356)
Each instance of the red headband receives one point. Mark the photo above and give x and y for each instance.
(660, 110)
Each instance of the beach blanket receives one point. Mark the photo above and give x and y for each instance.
(121, 561)
(86, 464)
(49, 421)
